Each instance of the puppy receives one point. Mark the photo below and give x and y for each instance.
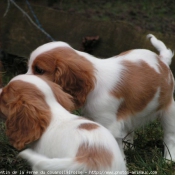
(58, 140)
(121, 93)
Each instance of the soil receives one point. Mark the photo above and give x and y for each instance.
(157, 15)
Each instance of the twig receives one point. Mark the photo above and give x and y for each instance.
(7, 9)
(42, 30)
(36, 19)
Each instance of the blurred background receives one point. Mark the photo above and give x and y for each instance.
(103, 28)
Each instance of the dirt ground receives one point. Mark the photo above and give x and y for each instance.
(157, 15)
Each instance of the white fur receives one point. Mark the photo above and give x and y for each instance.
(165, 54)
(102, 106)
(56, 149)
(44, 47)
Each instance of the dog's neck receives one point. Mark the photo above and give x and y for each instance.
(105, 69)
(58, 112)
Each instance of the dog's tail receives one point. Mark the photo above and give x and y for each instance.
(165, 54)
(42, 163)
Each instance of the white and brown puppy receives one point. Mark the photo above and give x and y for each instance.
(58, 140)
(121, 92)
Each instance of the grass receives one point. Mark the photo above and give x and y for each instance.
(8, 155)
(147, 155)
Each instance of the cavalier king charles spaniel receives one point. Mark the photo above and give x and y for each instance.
(36, 117)
(121, 93)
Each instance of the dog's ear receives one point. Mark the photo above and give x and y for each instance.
(63, 98)
(76, 76)
(28, 117)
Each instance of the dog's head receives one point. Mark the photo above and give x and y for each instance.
(60, 63)
(24, 103)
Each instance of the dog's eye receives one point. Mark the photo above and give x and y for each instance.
(39, 71)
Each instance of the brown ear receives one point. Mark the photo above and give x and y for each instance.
(28, 118)
(63, 98)
(76, 77)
